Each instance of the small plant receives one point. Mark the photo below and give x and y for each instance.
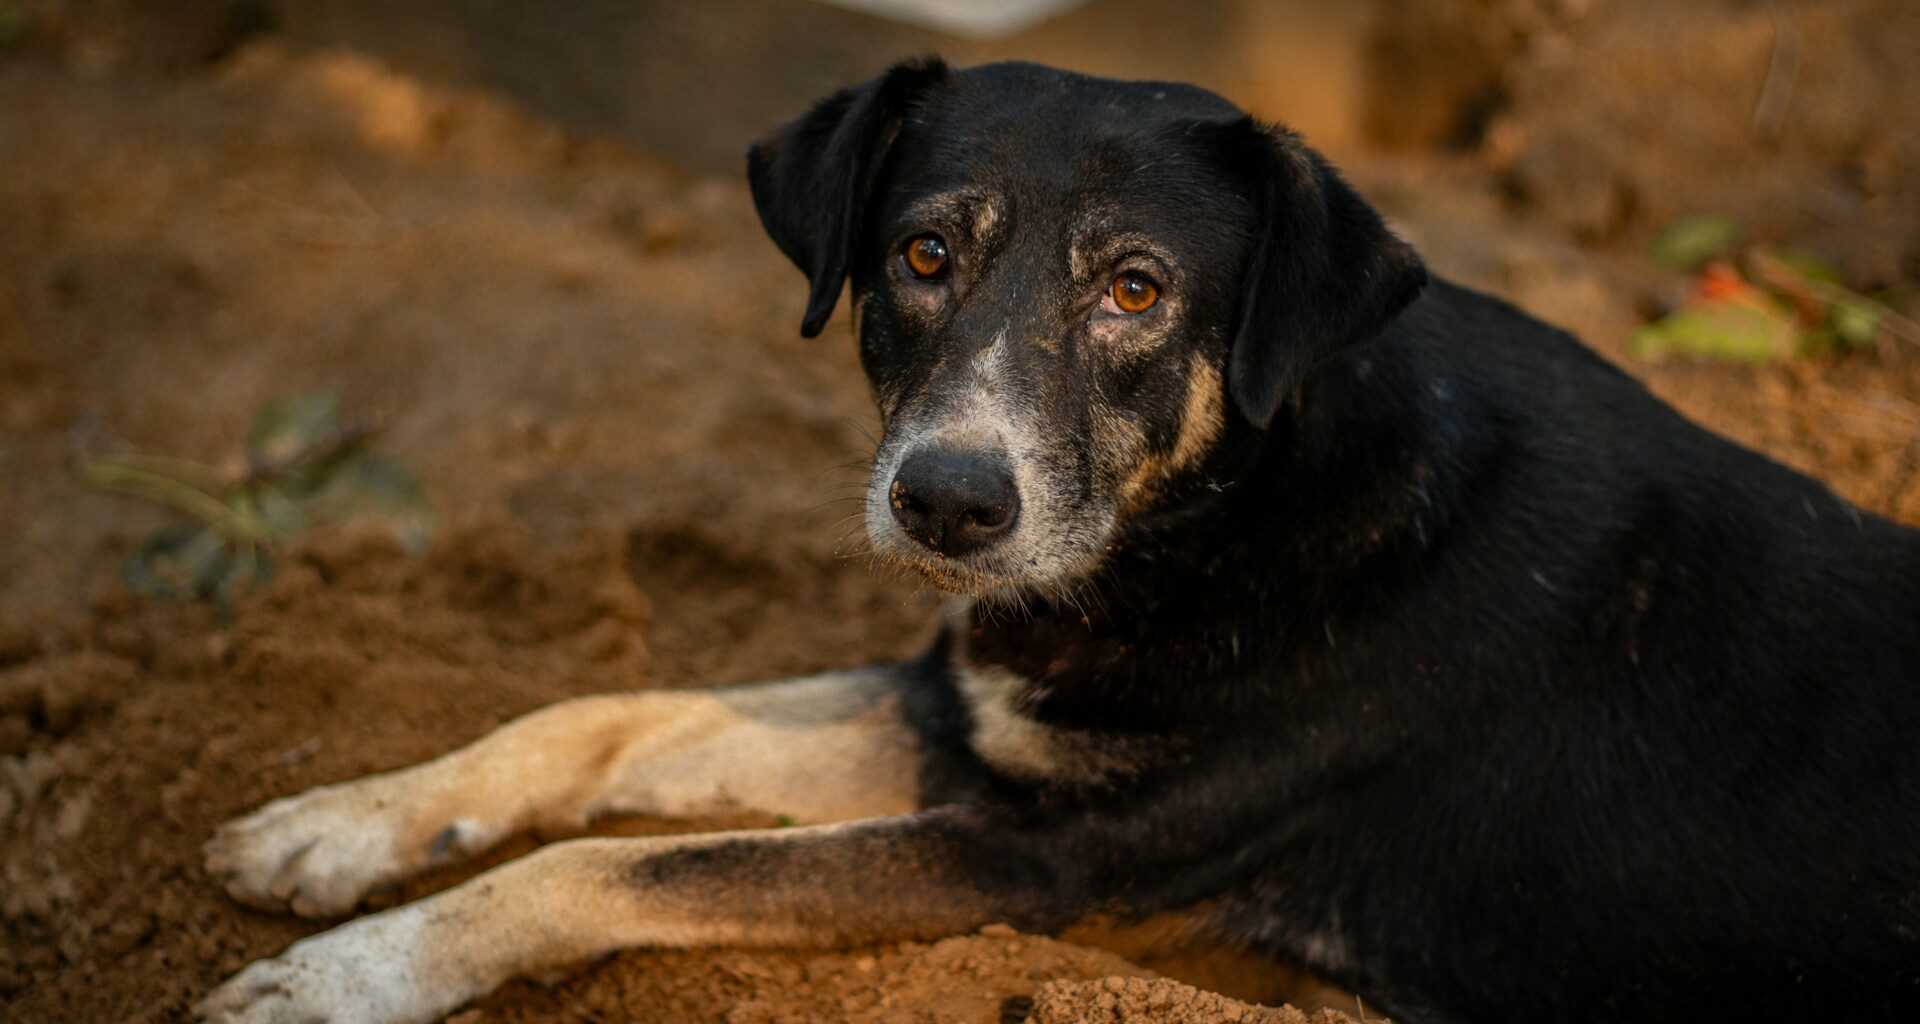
(1751, 303)
(304, 465)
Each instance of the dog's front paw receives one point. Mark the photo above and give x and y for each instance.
(316, 853)
(365, 972)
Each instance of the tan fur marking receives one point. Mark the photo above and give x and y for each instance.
(1093, 247)
(1008, 738)
(825, 748)
(1203, 419)
(829, 884)
(1119, 442)
(565, 903)
(1201, 423)
(975, 211)
(986, 218)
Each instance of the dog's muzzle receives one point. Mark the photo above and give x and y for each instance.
(954, 501)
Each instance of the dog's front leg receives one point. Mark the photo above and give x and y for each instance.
(831, 747)
(935, 872)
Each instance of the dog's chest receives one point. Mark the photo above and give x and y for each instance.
(1007, 734)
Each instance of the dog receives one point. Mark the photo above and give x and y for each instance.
(1374, 625)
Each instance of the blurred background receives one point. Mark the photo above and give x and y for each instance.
(374, 370)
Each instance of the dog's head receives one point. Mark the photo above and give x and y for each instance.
(1067, 290)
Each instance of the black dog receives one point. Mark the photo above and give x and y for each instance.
(1390, 628)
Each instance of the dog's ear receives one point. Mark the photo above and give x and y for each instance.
(1323, 273)
(812, 178)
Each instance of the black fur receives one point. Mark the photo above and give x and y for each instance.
(1483, 682)
(812, 187)
(1325, 274)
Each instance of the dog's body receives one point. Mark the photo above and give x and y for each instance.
(1401, 636)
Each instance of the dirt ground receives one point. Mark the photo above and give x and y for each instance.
(645, 477)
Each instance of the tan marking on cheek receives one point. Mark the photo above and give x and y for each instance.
(1203, 419)
(1201, 423)
(1119, 443)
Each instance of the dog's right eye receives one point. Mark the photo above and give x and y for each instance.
(926, 256)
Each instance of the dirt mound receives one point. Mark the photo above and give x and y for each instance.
(977, 979)
(1134, 1000)
(1610, 118)
(139, 735)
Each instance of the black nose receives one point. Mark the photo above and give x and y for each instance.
(954, 501)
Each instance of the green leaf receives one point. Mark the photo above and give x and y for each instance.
(176, 562)
(1737, 331)
(375, 486)
(180, 562)
(368, 482)
(251, 566)
(1807, 265)
(127, 477)
(211, 568)
(1688, 243)
(282, 516)
(307, 465)
(288, 427)
(1820, 340)
(1855, 323)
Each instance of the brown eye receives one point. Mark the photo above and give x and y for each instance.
(926, 256)
(1133, 293)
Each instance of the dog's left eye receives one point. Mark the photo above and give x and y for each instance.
(926, 256)
(1131, 293)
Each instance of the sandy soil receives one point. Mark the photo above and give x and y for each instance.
(1132, 1000)
(644, 477)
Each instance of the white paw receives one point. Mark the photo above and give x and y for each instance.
(365, 972)
(316, 853)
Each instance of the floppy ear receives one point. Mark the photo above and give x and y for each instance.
(811, 178)
(1323, 274)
